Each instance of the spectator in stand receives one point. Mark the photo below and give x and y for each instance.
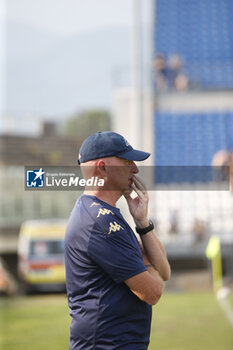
(223, 161)
(181, 82)
(169, 74)
(174, 66)
(176, 78)
(174, 222)
(161, 72)
(200, 231)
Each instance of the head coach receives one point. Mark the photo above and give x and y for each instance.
(112, 277)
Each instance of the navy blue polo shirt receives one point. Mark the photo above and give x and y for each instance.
(101, 252)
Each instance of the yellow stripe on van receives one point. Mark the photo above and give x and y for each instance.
(43, 231)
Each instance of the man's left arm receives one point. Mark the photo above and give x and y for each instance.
(154, 252)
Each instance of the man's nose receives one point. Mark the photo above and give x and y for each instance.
(134, 168)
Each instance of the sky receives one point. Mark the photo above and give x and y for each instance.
(70, 16)
(2, 56)
(65, 17)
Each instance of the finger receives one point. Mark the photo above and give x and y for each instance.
(140, 186)
(128, 199)
(139, 183)
(139, 192)
(143, 195)
(127, 196)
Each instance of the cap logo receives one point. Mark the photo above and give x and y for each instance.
(126, 142)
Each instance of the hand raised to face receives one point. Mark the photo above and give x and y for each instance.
(138, 206)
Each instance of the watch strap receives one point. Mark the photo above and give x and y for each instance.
(143, 231)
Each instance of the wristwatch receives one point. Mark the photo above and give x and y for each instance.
(143, 231)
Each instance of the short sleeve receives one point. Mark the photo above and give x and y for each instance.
(115, 249)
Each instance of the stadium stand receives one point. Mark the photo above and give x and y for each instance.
(200, 32)
(185, 144)
(192, 126)
(191, 139)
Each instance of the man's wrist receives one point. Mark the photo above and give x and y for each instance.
(142, 223)
(144, 230)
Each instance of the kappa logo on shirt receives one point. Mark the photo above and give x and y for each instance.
(104, 212)
(114, 226)
(94, 203)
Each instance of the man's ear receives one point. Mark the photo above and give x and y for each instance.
(101, 166)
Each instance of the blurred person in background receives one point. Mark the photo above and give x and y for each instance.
(200, 230)
(160, 67)
(113, 278)
(169, 74)
(176, 78)
(223, 161)
(181, 82)
(174, 222)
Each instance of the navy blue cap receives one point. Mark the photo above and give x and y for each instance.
(108, 144)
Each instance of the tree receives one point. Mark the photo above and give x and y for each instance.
(86, 123)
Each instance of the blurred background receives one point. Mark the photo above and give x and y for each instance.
(160, 72)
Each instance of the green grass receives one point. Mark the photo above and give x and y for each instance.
(35, 323)
(184, 321)
(190, 321)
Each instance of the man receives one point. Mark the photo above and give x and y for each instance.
(112, 278)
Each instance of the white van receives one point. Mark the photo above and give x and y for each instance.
(41, 255)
